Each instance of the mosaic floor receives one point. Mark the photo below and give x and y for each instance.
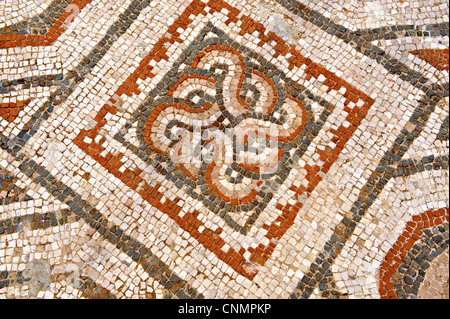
(266, 149)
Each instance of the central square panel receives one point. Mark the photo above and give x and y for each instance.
(226, 126)
(227, 132)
